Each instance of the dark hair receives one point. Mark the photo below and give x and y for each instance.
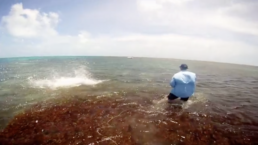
(183, 67)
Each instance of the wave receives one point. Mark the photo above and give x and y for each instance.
(81, 77)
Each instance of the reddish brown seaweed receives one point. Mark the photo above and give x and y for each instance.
(117, 121)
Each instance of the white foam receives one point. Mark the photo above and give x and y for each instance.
(197, 98)
(162, 103)
(81, 77)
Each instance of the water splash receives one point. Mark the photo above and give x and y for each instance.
(81, 77)
(199, 98)
(162, 103)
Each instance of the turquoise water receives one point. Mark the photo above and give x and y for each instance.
(223, 90)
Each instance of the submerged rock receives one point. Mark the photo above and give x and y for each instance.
(116, 121)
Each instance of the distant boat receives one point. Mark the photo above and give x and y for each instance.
(130, 57)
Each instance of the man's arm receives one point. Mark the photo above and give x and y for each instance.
(173, 82)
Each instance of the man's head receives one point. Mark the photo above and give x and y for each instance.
(183, 67)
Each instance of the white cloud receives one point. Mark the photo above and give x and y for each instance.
(225, 18)
(234, 24)
(185, 14)
(154, 5)
(168, 46)
(149, 5)
(177, 2)
(177, 46)
(49, 42)
(84, 36)
(30, 23)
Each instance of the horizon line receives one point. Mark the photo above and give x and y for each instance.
(17, 57)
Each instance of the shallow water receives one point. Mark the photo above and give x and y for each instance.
(226, 95)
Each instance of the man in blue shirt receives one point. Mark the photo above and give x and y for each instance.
(183, 84)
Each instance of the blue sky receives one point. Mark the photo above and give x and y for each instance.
(221, 30)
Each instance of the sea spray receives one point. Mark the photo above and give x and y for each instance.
(56, 80)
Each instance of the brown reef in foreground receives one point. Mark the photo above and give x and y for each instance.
(116, 121)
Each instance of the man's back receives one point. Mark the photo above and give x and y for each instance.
(183, 84)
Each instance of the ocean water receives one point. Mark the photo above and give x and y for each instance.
(226, 95)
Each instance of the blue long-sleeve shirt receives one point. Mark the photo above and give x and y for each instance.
(183, 84)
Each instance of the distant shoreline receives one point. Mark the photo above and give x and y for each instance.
(135, 57)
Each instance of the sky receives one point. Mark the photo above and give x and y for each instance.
(207, 30)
